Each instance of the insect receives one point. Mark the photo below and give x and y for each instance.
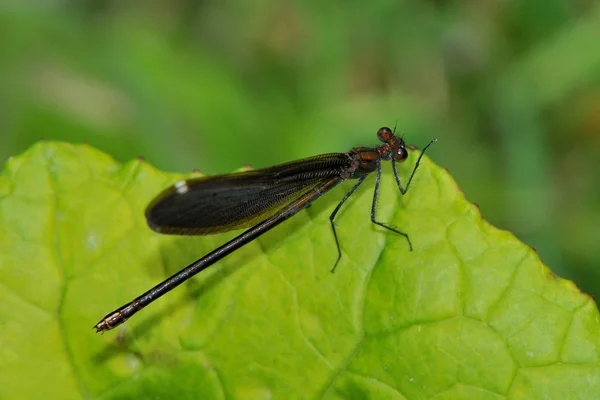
(259, 200)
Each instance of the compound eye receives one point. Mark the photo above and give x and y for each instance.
(401, 154)
(385, 134)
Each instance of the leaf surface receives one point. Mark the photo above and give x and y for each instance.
(470, 313)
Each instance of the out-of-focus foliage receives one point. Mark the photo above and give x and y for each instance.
(511, 89)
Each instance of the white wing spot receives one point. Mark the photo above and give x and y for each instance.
(181, 187)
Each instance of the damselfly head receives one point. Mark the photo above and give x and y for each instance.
(394, 145)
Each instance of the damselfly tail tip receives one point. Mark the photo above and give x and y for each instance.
(100, 327)
(103, 326)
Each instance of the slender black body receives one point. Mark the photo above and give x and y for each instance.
(258, 200)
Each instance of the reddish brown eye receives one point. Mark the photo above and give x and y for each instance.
(401, 154)
(385, 134)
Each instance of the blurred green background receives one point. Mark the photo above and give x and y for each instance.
(510, 88)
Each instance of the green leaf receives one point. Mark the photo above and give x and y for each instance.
(471, 313)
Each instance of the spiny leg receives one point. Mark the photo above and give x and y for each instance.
(374, 207)
(333, 214)
(412, 174)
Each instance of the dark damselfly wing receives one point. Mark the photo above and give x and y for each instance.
(221, 203)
